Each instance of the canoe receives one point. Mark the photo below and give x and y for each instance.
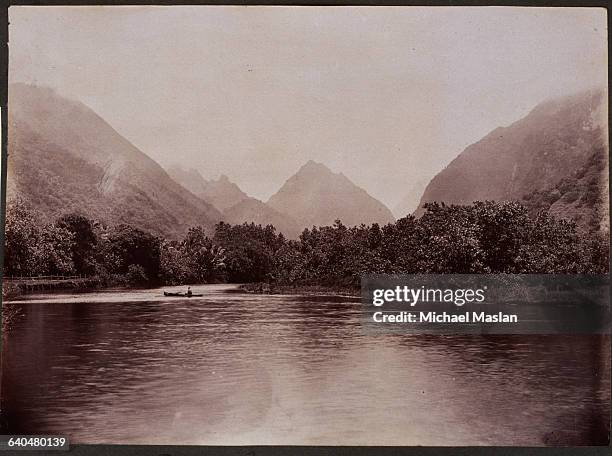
(181, 295)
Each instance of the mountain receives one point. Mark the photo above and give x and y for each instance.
(63, 157)
(581, 197)
(236, 206)
(221, 193)
(191, 179)
(317, 196)
(253, 210)
(554, 158)
(410, 202)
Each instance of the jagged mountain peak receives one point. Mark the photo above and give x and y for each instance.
(221, 192)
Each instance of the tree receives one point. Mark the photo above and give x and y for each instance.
(447, 241)
(34, 250)
(249, 250)
(52, 254)
(502, 230)
(289, 264)
(136, 275)
(173, 264)
(205, 261)
(400, 245)
(85, 241)
(595, 252)
(127, 246)
(21, 233)
(551, 247)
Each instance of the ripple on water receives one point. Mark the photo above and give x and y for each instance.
(232, 368)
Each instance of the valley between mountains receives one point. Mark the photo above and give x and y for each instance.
(63, 158)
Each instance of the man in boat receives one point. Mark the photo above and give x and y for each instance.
(189, 291)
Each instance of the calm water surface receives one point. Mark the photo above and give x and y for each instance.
(241, 369)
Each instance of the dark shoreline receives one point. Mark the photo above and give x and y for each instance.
(314, 290)
(12, 292)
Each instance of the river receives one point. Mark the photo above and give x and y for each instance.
(232, 368)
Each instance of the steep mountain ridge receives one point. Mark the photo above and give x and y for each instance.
(221, 193)
(555, 140)
(63, 157)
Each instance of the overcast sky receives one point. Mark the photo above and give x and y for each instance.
(384, 94)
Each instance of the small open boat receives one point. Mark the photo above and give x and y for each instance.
(181, 295)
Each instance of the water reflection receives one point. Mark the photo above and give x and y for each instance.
(233, 368)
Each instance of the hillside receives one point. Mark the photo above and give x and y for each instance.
(547, 149)
(63, 157)
(581, 197)
(253, 210)
(221, 193)
(317, 196)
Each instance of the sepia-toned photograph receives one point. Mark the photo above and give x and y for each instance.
(196, 195)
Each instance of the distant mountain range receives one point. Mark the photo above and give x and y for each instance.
(317, 196)
(236, 206)
(63, 157)
(221, 193)
(313, 196)
(555, 158)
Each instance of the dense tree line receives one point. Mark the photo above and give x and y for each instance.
(484, 237)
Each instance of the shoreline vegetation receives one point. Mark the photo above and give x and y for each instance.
(11, 291)
(483, 237)
(14, 287)
(313, 290)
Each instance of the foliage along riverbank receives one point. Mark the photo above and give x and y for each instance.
(484, 237)
(274, 288)
(14, 288)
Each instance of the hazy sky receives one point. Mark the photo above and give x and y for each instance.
(383, 94)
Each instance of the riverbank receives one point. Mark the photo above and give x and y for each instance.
(14, 288)
(268, 288)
